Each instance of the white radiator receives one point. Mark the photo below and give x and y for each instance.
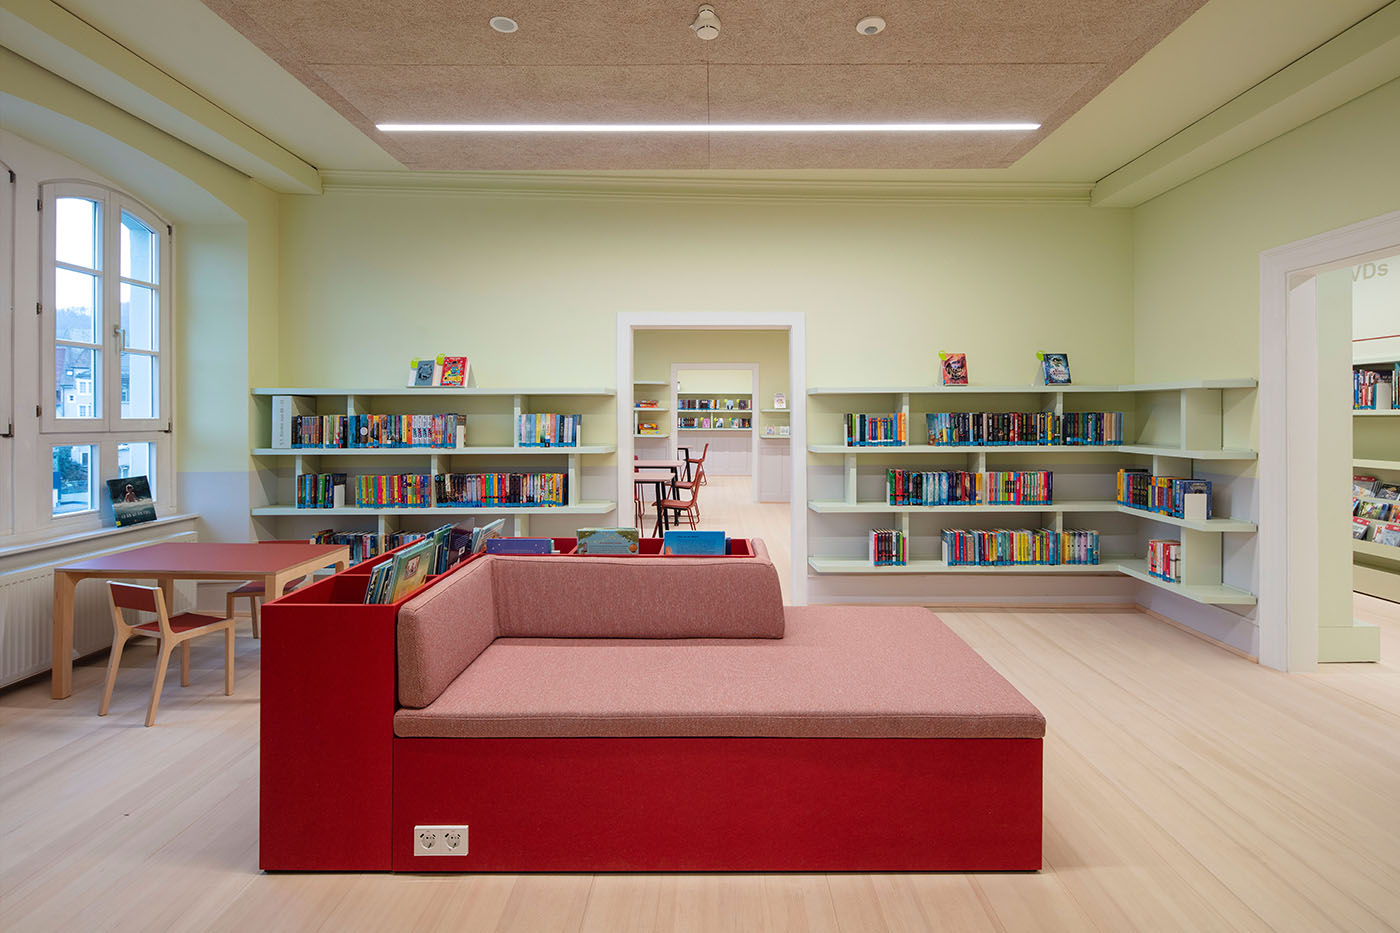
(26, 613)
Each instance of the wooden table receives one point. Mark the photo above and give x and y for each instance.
(658, 478)
(277, 563)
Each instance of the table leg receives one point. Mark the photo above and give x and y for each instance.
(167, 586)
(64, 586)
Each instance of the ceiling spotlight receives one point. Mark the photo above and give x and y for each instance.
(504, 24)
(870, 26)
(706, 25)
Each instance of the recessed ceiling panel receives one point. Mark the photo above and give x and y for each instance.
(774, 61)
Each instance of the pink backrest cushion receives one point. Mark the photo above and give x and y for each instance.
(443, 629)
(638, 597)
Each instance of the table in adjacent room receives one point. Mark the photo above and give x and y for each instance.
(659, 479)
(276, 563)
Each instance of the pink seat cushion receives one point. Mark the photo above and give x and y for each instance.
(443, 629)
(839, 672)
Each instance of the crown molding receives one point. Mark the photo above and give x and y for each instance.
(601, 185)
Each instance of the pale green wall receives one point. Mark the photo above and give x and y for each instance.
(655, 350)
(530, 287)
(729, 382)
(1196, 248)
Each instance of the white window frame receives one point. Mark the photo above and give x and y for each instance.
(109, 429)
(109, 340)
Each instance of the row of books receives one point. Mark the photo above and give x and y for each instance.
(391, 490)
(374, 431)
(1018, 547)
(435, 552)
(544, 429)
(959, 487)
(501, 489)
(889, 548)
(713, 404)
(692, 422)
(1374, 388)
(1006, 428)
(363, 544)
(1164, 559)
(1387, 533)
(1369, 487)
(321, 491)
(1177, 496)
(1373, 510)
(881, 430)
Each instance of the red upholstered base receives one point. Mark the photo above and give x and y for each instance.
(722, 804)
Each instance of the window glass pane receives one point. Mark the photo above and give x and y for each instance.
(137, 460)
(139, 317)
(75, 301)
(72, 479)
(77, 377)
(139, 250)
(77, 223)
(139, 381)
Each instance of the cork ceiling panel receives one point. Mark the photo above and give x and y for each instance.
(774, 61)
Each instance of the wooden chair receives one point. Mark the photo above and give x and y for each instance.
(253, 592)
(699, 464)
(171, 631)
(689, 506)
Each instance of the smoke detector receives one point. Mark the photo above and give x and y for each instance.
(706, 25)
(871, 25)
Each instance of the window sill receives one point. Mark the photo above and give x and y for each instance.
(78, 537)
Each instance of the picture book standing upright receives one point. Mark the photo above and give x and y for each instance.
(954, 368)
(1054, 368)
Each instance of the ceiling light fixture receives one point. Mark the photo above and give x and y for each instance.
(706, 25)
(504, 24)
(871, 25)
(707, 127)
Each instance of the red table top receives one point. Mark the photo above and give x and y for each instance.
(208, 557)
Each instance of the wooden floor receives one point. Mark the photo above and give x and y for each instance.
(1185, 789)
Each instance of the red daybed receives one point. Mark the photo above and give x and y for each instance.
(636, 714)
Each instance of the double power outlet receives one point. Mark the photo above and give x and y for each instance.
(440, 840)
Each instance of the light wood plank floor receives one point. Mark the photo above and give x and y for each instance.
(1185, 789)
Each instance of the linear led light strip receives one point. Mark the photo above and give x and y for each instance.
(707, 127)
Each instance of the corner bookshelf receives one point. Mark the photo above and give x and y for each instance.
(1188, 429)
(492, 446)
(1376, 452)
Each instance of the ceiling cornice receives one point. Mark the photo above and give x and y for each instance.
(1353, 63)
(594, 185)
(54, 39)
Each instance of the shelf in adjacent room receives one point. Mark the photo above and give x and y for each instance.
(1035, 389)
(1145, 450)
(437, 391)
(424, 451)
(1065, 506)
(1372, 549)
(714, 429)
(649, 382)
(656, 434)
(1392, 465)
(651, 408)
(862, 565)
(776, 437)
(1376, 412)
(776, 411)
(587, 507)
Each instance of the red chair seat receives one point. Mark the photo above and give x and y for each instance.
(182, 622)
(251, 588)
(675, 504)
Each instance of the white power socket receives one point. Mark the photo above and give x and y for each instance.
(440, 840)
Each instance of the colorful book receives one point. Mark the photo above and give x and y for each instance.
(1364, 486)
(484, 534)
(411, 567)
(1055, 368)
(520, 546)
(454, 371)
(421, 372)
(706, 543)
(1388, 535)
(954, 368)
(608, 541)
(1360, 528)
(1387, 491)
(131, 500)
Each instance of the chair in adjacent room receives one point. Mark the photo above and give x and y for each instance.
(690, 507)
(169, 630)
(699, 464)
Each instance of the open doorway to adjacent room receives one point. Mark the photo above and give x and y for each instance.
(713, 405)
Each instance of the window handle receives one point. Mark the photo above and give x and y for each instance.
(120, 336)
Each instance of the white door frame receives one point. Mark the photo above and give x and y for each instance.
(1288, 417)
(628, 322)
(752, 369)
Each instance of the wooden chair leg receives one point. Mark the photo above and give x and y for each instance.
(113, 662)
(228, 660)
(256, 603)
(161, 664)
(229, 607)
(185, 663)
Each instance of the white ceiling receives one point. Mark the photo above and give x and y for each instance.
(1222, 50)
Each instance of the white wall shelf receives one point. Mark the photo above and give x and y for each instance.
(1036, 389)
(650, 408)
(656, 434)
(1102, 506)
(776, 411)
(1391, 465)
(1141, 449)
(1376, 413)
(435, 392)
(716, 430)
(1372, 549)
(649, 382)
(587, 507)
(468, 451)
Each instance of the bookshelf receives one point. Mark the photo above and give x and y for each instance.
(644, 388)
(1190, 428)
(491, 446)
(1376, 452)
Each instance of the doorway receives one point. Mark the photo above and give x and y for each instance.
(734, 381)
